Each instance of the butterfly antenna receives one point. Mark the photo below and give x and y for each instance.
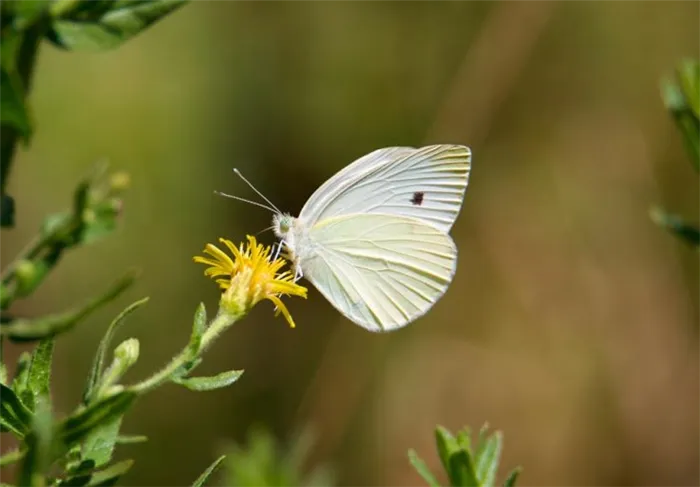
(255, 203)
(254, 189)
(265, 230)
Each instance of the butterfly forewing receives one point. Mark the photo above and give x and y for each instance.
(426, 183)
(380, 271)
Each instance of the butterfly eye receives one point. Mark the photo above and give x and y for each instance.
(282, 224)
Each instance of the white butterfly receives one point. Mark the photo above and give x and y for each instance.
(373, 239)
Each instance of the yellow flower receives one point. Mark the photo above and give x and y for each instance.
(249, 277)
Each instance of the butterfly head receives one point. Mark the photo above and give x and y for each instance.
(282, 224)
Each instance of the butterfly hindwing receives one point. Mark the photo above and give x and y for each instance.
(380, 271)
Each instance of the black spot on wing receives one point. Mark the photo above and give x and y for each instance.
(418, 198)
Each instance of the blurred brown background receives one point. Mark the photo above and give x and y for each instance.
(572, 322)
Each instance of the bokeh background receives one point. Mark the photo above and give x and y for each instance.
(572, 321)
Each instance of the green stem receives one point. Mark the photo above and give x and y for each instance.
(25, 66)
(220, 323)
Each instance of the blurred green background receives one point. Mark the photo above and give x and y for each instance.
(572, 321)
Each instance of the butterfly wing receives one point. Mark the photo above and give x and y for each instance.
(427, 183)
(380, 271)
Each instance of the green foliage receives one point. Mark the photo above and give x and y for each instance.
(265, 463)
(202, 479)
(99, 25)
(210, 383)
(75, 450)
(466, 465)
(682, 99)
(15, 113)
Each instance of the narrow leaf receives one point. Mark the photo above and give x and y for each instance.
(198, 328)
(13, 112)
(685, 116)
(689, 78)
(38, 443)
(12, 456)
(40, 368)
(461, 470)
(131, 439)
(3, 367)
(111, 28)
(201, 480)
(85, 475)
(446, 446)
(422, 469)
(14, 416)
(677, 226)
(110, 475)
(47, 326)
(98, 364)
(78, 426)
(210, 383)
(21, 380)
(7, 210)
(487, 459)
(512, 477)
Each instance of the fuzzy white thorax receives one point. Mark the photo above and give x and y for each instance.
(290, 231)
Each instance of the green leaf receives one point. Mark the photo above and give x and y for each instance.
(487, 459)
(461, 470)
(78, 426)
(40, 368)
(422, 469)
(21, 380)
(198, 329)
(107, 30)
(464, 440)
(47, 326)
(38, 443)
(38, 373)
(689, 78)
(99, 362)
(86, 476)
(27, 12)
(676, 225)
(99, 443)
(3, 373)
(14, 416)
(210, 383)
(131, 439)
(111, 475)
(12, 456)
(447, 446)
(13, 111)
(7, 210)
(205, 475)
(512, 477)
(683, 101)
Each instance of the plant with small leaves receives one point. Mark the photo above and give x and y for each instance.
(466, 465)
(264, 462)
(70, 24)
(83, 443)
(682, 99)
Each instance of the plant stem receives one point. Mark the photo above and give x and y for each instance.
(220, 323)
(25, 67)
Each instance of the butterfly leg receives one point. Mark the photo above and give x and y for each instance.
(276, 249)
(298, 273)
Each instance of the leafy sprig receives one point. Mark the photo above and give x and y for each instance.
(466, 465)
